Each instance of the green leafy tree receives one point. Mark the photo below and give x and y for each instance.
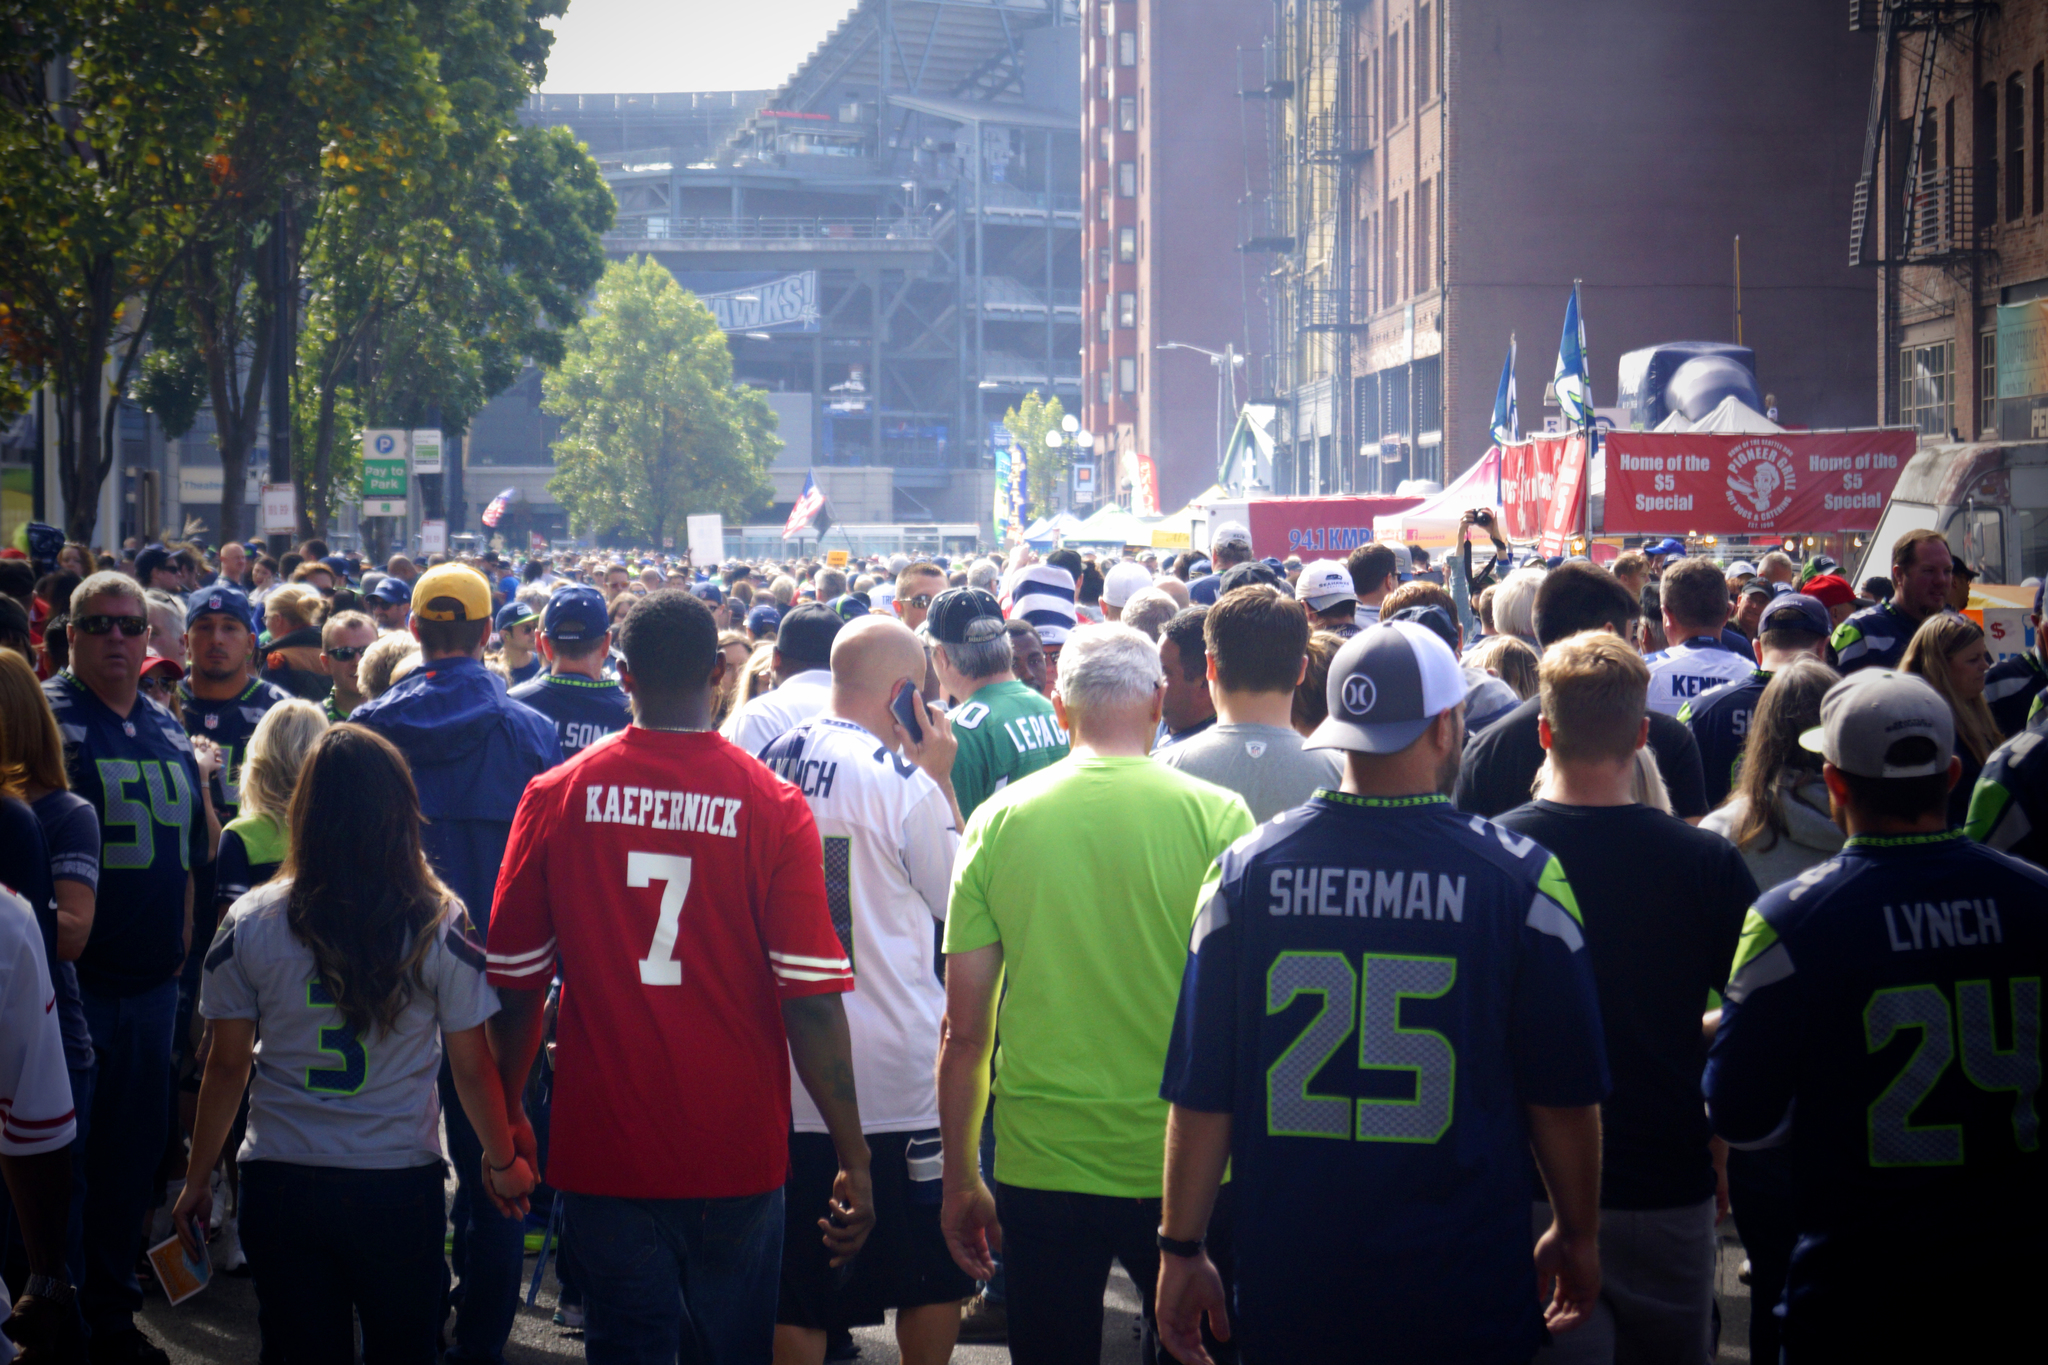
(653, 428)
(1028, 424)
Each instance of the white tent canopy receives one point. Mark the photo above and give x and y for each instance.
(1731, 416)
(1435, 522)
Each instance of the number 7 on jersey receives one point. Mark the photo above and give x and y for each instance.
(659, 967)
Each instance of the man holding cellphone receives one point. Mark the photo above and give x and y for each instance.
(878, 777)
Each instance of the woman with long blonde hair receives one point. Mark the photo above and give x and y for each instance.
(358, 965)
(756, 676)
(254, 844)
(1950, 652)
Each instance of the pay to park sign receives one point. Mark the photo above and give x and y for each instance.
(1735, 484)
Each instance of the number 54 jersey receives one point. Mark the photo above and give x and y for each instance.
(1883, 1017)
(1374, 991)
(678, 888)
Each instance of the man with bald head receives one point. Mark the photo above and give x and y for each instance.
(883, 799)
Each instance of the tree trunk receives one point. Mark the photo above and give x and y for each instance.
(317, 506)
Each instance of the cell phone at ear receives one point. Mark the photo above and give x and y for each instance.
(909, 709)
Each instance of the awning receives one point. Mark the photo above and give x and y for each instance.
(1434, 522)
(1112, 525)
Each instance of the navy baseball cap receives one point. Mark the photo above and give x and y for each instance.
(152, 558)
(763, 619)
(849, 606)
(1386, 685)
(1250, 574)
(390, 592)
(515, 613)
(576, 614)
(338, 563)
(806, 633)
(1797, 611)
(709, 592)
(1433, 617)
(222, 598)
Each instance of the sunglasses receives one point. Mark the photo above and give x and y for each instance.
(341, 654)
(921, 601)
(157, 685)
(131, 626)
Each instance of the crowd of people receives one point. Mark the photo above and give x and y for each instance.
(1378, 959)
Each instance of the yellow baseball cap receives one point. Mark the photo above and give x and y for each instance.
(451, 592)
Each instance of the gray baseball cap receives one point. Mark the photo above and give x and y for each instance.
(1867, 713)
(1386, 685)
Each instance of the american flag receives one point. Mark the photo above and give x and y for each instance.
(811, 514)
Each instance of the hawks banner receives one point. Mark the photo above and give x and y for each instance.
(1736, 484)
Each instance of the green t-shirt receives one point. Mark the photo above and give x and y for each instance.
(1006, 731)
(1088, 873)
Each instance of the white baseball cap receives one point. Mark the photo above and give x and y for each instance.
(1124, 580)
(1324, 583)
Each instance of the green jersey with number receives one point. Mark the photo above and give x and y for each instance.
(1006, 731)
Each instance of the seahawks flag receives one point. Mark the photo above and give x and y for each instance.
(1572, 383)
(1507, 418)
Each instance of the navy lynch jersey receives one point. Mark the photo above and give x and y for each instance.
(1375, 990)
(2009, 808)
(583, 711)
(229, 723)
(1875, 637)
(140, 777)
(2010, 688)
(1884, 1017)
(1719, 721)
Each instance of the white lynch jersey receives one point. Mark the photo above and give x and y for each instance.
(889, 840)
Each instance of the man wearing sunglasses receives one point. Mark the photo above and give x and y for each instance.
(916, 586)
(343, 639)
(127, 756)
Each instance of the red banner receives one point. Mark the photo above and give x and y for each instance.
(1730, 484)
(1313, 528)
(1529, 472)
(1563, 517)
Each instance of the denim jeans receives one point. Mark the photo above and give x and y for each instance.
(490, 1249)
(660, 1273)
(1057, 1248)
(129, 1125)
(324, 1242)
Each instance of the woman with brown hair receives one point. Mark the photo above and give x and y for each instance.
(1311, 694)
(1778, 816)
(738, 648)
(358, 965)
(755, 676)
(1950, 652)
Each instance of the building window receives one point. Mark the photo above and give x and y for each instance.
(1406, 52)
(1423, 223)
(1102, 18)
(1127, 179)
(1391, 79)
(1103, 316)
(1390, 263)
(1102, 264)
(2015, 150)
(1127, 114)
(1102, 205)
(1127, 310)
(1127, 245)
(1127, 48)
(1105, 82)
(1102, 143)
(1926, 381)
(1105, 374)
(1422, 67)
(1987, 385)
(1127, 374)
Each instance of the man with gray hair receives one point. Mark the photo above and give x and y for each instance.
(1006, 730)
(1090, 984)
(1229, 544)
(985, 574)
(1149, 611)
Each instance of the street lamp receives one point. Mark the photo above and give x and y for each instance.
(1069, 432)
(1227, 363)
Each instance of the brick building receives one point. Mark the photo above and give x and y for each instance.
(1167, 150)
(1483, 154)
(1950, 211)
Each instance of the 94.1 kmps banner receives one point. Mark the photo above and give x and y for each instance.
(1733, 484)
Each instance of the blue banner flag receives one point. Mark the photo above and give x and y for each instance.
(1507, 417)
(1572, 383)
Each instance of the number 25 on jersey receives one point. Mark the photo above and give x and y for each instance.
(1367, 1001)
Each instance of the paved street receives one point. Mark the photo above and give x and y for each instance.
(219, 1326)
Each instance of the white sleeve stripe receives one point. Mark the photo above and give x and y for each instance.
(1546, 916)
(1777, 1137)
(508, 959)
(799, 960)
(1767, 968)
(791, 974)
(529, 970)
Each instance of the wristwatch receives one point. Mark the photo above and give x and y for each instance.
(49, 1287)
(1173, 1247)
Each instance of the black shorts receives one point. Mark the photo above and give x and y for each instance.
(904, 1263)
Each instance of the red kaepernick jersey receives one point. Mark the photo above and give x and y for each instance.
(678, 886)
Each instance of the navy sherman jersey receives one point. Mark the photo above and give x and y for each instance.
(1884, 1016)
(583, 711)
(140, 777)
(229, 723)
(2009, 808)
(1719, 721)
(1375, 989)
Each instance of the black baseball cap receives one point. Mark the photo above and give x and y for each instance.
(964, 616)
(806, 634)
(1435, 618)
(1252, 572)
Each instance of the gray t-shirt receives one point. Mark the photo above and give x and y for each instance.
(321, 1096)
(1264, 764)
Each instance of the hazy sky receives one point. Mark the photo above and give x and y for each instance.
(622, 46)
